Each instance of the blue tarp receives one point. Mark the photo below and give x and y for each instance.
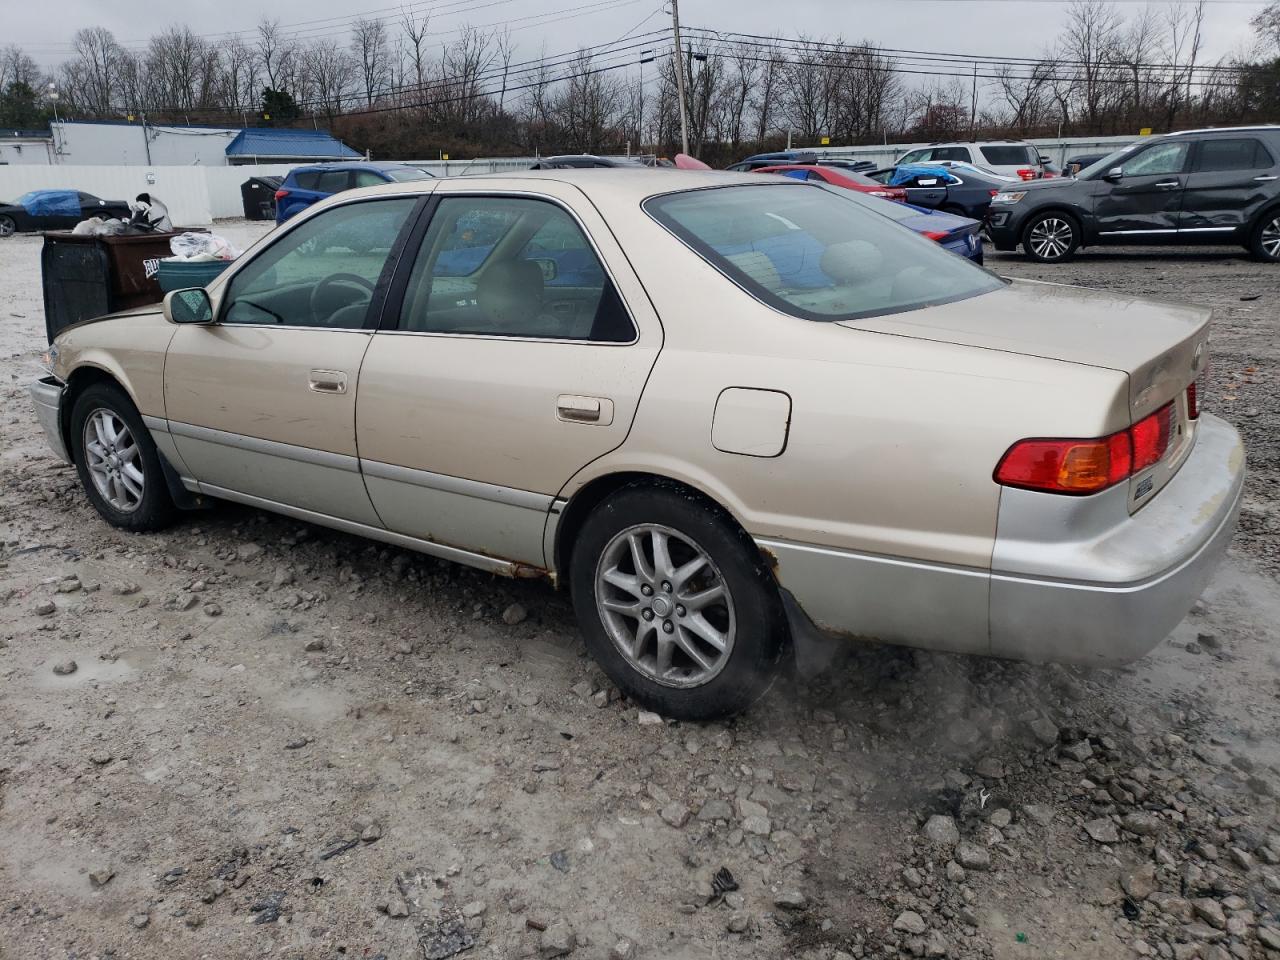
(51, 203)
(909, 171)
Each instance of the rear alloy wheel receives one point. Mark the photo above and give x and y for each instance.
(676, 603)
(1051, 238)
(1266, 239)
(7, 226)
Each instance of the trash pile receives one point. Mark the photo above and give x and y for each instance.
(149, 215)
(201, 247)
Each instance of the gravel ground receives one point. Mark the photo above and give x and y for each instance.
(247, 736)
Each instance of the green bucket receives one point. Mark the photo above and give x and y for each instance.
(180, 274)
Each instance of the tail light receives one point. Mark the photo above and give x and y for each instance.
(281, 194)
(880, 193)
(1193, 400)
(936, 235)
(993, 192)
(1087, 466)
(1027, 173)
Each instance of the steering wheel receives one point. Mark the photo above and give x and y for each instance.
(320, 291)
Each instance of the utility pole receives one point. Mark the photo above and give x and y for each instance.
(973, 110)
(675, 53)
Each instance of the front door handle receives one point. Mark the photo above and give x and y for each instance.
(576, 409)
(327, 381)
(1264, 178)
(1168, 184)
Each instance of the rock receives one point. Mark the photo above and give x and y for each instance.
(65, 668)
(371, 832)
(1102, 830)
(125, 588)
(70, 585)
(396, 907)
(212, 890)
(942, 830)
(738, 922)
(1269, 937)
(624, 949)
(45, 608)
(315, 645)
(1080, 751)
(955, 872)
(1000, 818)
(583, 690)
(1038, 813)
(989, 768)
(1045, 731)
(557, 940)
(715, 809)
(1140, 882)
(790, 900)
(675, 814)
(936, 945)
(759, 826)
(973, 857)
(749, 808)
(911, 877)
(101, 877)
(139, 920)
(476, 908)
(248, 551)
(648, 718)
(213, 609)
(1141, 822)
(1210, 911)
(514, 614)
(910, 922)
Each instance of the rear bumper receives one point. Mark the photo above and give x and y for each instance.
(1073, 579)
(46, 397)
(1109, 586)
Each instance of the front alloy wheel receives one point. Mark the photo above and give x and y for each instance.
(7, 227)
(665, 606)
(114, 460)
(1051, 238)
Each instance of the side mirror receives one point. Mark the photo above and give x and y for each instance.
(549, 269)
(1114, 175)
(1045, 158)
(188, 306)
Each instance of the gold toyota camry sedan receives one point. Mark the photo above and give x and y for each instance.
(735, 416)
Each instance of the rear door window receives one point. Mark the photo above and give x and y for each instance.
(1010, 156)
(1243, 154)
(951, 153)
(334, 181)
(307, 179)
(367, 178)
(915, 156)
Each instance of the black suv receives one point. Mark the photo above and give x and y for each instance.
(1201, 186)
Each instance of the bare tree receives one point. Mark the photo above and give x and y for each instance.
(329, 74)
(90, 77)
(1090, 42)
(415, 31)
(237, 77)
(1267, 24)
(17, 67)
(743, 74)
(588, 107)
(1182, 42)
(278, 59)
(1028, 93)
(369, 49)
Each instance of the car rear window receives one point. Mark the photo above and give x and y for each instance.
(1009, 156)
(307, 179)
(793, 248)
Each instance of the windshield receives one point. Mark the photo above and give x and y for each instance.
(1106, 163)
(405, 174)
(791, 247)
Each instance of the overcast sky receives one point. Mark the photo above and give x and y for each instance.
(994, 27)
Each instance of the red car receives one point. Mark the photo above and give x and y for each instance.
(837, 178)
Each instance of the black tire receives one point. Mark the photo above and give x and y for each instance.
(8, 226)
(154, 509)
(759, 626)
(1264, 241)
(1051, 237)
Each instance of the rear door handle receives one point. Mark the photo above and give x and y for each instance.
(1264, 179)
(576, 409)
(1168, 184)
(327, 381)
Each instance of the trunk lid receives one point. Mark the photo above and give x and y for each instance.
(1160, 345)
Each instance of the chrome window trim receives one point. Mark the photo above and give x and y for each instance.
(461, 486)
(271, 448)
(1118, 233)
(1206, 229)
(498, 193)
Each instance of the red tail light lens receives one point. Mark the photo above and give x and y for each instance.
(1026, 173)
(281, 194)
(1151, 438)
(936, 235)
(1193, 400)
(1087, 466)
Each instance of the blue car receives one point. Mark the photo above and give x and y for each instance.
(307, 185)
(960, 235)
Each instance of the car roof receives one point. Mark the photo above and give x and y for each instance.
(355, 165)
(1255, 128)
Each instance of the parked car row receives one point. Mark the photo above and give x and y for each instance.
(56, 210)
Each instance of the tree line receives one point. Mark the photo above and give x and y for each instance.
(391, 88)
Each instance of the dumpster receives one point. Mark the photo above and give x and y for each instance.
(86, 276)
(259, 197)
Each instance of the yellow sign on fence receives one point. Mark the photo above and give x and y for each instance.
(826, 141)
(1144, 132)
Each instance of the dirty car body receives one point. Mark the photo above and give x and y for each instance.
(727, 411)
